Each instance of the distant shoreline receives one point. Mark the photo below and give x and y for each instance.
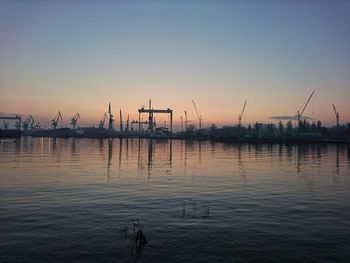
(14, 134)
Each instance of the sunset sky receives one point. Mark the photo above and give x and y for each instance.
(76, 56)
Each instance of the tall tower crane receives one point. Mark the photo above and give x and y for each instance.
(55, 120)
(102, 121)
(336, 116)
(198, 116)
(300, 113)
(240, 116)
(127, 124)
(74, 120)
(121, 120)
(182, 124)
(110, 120)
(151, 122)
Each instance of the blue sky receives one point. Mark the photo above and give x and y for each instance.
(79, 55)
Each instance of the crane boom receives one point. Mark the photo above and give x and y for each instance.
(241, 115)
(198, 116)
(300, 114)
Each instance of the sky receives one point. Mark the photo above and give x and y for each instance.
(77, 56)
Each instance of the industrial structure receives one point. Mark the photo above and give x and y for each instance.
(302, 131)
(102, 121)
(55, 120)
(110, 119)
(151, 120)
(121, 120)
(336, 117)
(198, 116)
(240, 116)
(16, 118)
(74, 120)
(28, 122)
(300, 113)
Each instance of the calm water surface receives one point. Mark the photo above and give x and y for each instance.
(68, 199)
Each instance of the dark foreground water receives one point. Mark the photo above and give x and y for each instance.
(69, 200)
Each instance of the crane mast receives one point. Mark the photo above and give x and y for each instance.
(127, 124)
(198, 116)
(121, 120)
(182, 124)
(240, 116)
(110, 120)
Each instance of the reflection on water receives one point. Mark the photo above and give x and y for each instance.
(66, 199)
(146, 152)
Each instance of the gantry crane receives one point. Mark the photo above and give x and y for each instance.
(102, 121)
(55, 120)
(300, 113)
(198, 116)
(240, 116)
(336, 116)
(74, 120)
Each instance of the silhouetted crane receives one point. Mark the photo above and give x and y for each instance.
(27, 122)
(182, 124)
(121, 120)
(127, 124)
(300, 113)
(110, 120)
(240, 116)
(102, 121)
(336, 116)
(198, 116)
(55, 120)
(74, 120)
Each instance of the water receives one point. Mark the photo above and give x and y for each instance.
(69, 199)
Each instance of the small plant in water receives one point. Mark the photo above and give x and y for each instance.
(206, 211)
(183, 211)
(195, 210)
(124, 230)
(138, 239)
